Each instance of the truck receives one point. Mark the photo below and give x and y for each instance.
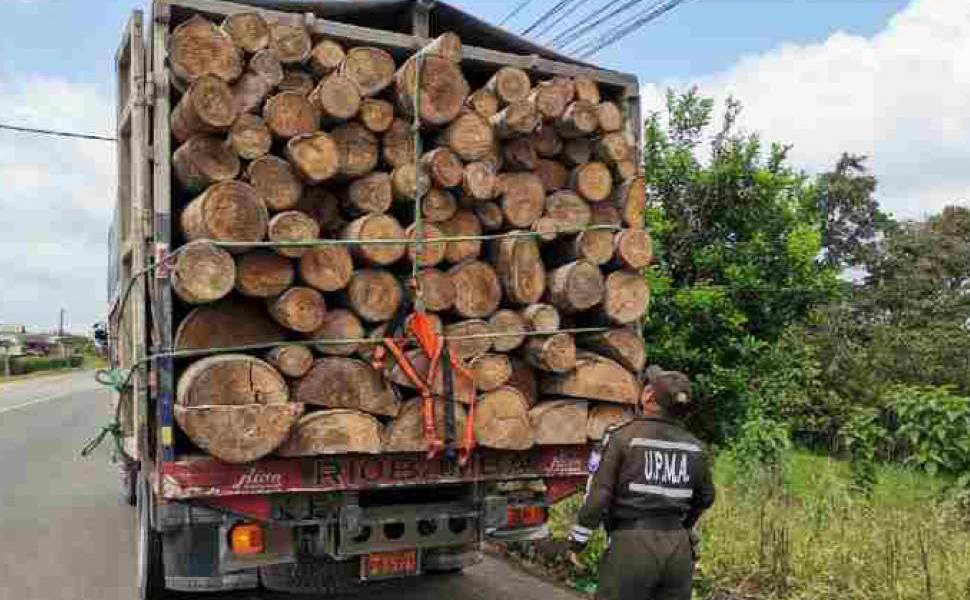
(308, 524)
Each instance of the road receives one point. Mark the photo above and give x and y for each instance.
(66, 535)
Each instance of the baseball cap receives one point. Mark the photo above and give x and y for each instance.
(671, 388)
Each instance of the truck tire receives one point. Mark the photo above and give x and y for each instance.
(151, 570)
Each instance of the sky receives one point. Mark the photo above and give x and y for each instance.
(889, 79)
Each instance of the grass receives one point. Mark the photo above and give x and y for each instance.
(89, 362)
(810, 537)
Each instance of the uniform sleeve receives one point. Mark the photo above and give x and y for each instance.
(599, 491)
(703, 496)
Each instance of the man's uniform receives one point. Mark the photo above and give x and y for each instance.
(650, 486)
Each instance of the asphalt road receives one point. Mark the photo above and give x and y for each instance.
(66, 535)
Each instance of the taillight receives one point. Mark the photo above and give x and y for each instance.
(526, 516)
(246, 538)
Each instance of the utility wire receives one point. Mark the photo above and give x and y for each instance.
(546, 15)
(571, 37)
(70, 134)
(571, 7)
(611, 37)
(515, 11)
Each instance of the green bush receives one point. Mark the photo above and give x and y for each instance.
(33, 364)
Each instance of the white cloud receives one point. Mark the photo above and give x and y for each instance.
(56, 199)
(901, 97)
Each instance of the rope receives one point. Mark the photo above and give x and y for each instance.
(118, 380)
(418, 217)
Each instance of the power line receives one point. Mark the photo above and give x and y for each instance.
(70, 134)
(515, 11)
(611, 37)
(568, 38)
(546, 15)
(565, 13)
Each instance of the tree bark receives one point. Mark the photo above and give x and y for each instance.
(519, 155)
(374, 295)
(438, 205)
(398, 144)
(520, 269)
(554, 353)
(622, 345)
(463, 223)
(334, 431)
(292, 226)
(376, 115)
(249, 137)
(327, 268)
(470, 136)
(516, 119)
(633, 249)
(630, 199)
(376, 227)
(340, 382)
(203, 160)
(338, 324)
(276, 182)
(437, 290)
(206, 107)
(559, 422)
(580, 119)
(432, 253)
(291, 41)
(466, 349)
(288, 114)
(592, 181)
(477, 289)
(263, 274)
(509, 322)
(358, 149)
(406, 432)
(291, 361)
(553, 174)
(523, 197)
(198, 48)
(502, 420)
(490, 371)
(509, 85)
(443, 89)
(483, 102)
(248, 31)
(626, 297)
(369, 194)
(226, 211)
(575, 287)
(610, 116)
(228, 322)
(299, 308)
(202, 273)
(478, 181)
(325, 58)
(443, 167)
(595, 378)
(602, 415)
(337, 97)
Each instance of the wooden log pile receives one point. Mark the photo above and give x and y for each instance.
(301, 141)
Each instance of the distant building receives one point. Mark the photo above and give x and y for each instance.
(7, 328)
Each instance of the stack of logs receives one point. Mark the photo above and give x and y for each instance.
(284, 138)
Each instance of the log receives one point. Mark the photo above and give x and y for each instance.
(203, 160)
(520, 269)
(446, 45)
(324, 207)
(541, 317)
(613, 148)
(292, 226)
(443, 167)
(340, 382)
(466, 349)
(604, 213)
(610, 116)
(238, 434)
(477, 289)
(369, 194)
(494, 156)
(226, 211)
(524, 380)
(338, 324)
(248, 30)
(630, 199)
(625, 169)
(431, 253)
(575, 287)
(443, 89)
(626, 297)
(334, 431)
(371, 68)
(249, 137)
(602, 416)
(508, 322)
(291, 360)
(358, 149)
(622, 345)
(551, 98)
(230, 380)
(275, 181)
(577, 152)
(595, 378)
(374, 294)
(489, 215)
(633, 249)
(325, 58)
(523, 197)
(519, 155)
(263, 274)
(337, 97)
(297, 81)
(490, 371)
(376, 115)
(553, 174)
(249, 92)
(502, 420)
(376, 227)
(470, 136)
(482, 102)
(404, 188)
(288, 114)
(546, 141)
(478, 181)
(568, 211)
(299, 308)
(559, 422)
(316, 156)
(406, 432)
(266, 63)
(509, 85)
(593, 246)
(545, 229)
(228, 322)
(202, 273)
(463, 223)
(291, 41)
(580, 119)
(554, 353)
(438, 205)
(198, 48)
(463, 387)
(437, 290)
(327, 268)
(587, 89)
(516, 119)
(592, 181)
(206, 107)
(398, 144)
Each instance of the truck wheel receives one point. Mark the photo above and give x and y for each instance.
(151, 571)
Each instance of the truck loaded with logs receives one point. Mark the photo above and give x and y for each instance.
(380, 287)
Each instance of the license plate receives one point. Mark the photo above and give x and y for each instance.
(387, 565)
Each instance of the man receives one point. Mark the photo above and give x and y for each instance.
(650, 485)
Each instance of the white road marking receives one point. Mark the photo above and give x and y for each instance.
(35, 401)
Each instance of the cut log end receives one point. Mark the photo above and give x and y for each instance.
(490, 371)
(249, 137)
(292, 226)
(263, 274)
(511, 325)
(523, 197)
(276, 181)
(198, 48)
(206, 107)
(326, 57)
(431, 253)
(203, 273)
(468, 339)
(443, 167)
(291, 41)
(226, 211)
(374, 295)
(340, 382)
(592, 181)
(334, 431)
(371, 68)
(437, 290)
(301, 309)
(288, 114)
(249, 31)
(554, 353)
(502, 420)
(634, 248)
(376, 227)
(627, 297)
(327, 268)
(509, 85)
(291, 360)
(203, 160)
(338, 324)
(477, 289)
(478, 181)
(576, 286)
(559, 422)
(463, 223)
(337, 97)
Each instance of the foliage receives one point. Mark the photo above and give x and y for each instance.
(934, 425)
(32, 364)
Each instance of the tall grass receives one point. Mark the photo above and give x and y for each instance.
(811, 537)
